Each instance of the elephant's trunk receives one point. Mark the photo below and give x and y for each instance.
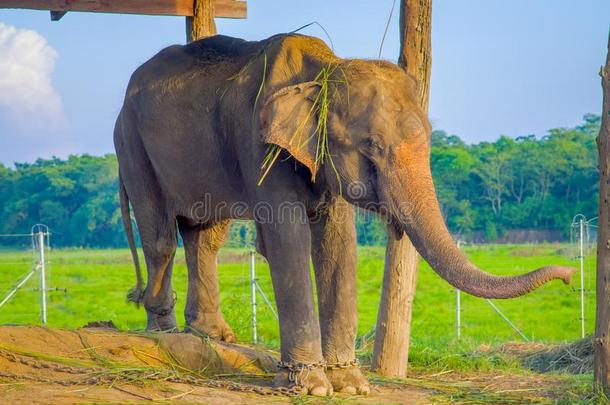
(411, 199)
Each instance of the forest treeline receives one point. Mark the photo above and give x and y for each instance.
(486, 188)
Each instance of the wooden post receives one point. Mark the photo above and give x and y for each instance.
(416, 44)
(602, 316)
(202, 23)
(391, 350)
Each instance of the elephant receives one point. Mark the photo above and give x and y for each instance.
(283, 132)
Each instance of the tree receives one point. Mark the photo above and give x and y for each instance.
(76, 198)
(545, 182)
(451, 165)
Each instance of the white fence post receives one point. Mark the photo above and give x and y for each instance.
(458, 306)
(582, 225)
(253, 296)
(43, 282)
(582, 278)
(38, 234)
(458, 315)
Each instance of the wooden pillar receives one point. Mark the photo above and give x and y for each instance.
(391, 350)
(202, 23)
(602, 316)
(392, 333)
(416, 44)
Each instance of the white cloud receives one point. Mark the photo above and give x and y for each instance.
(26, 64)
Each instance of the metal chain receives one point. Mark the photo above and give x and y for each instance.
(43, 365)
(96, 376)
(298, 372)
(344, 365)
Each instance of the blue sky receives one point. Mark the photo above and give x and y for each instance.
(499, 67)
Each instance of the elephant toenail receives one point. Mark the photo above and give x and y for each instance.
(319, 391)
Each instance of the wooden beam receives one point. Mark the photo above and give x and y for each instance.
(223, 8)
(601, 367)
(56, 15)
(230, 9)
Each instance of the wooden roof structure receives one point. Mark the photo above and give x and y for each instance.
(185, 8)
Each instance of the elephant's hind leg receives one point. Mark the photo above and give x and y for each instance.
(159, 245)
(333, 243)
(202, 312)
(156, 224)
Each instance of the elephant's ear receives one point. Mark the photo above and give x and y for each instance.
(288, 119)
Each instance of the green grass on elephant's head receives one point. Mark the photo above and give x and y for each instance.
(92, 285)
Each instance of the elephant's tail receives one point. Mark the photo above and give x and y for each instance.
(136, 294)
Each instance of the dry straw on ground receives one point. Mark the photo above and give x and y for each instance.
(573, 358)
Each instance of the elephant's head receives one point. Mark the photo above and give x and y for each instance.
(379, 139)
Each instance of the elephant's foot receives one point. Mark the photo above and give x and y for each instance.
(303, 380)
(164, 322)
(213, 326)
(348, 380)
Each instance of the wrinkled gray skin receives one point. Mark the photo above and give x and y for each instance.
(194, 128)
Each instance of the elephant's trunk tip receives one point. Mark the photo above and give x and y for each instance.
(568, 273)
(561, 272)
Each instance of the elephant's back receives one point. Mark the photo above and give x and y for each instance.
(221, 48)
(213, 59)
(172, 100)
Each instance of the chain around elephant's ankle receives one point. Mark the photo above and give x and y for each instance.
(297, 372)
(344, 365)
(163, 311)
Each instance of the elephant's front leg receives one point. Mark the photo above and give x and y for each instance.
(287, 247)
(334, 256)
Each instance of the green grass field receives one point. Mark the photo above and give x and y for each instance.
(92, 285)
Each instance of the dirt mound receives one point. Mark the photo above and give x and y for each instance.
(102, 346)
(100, 364)
(103, 365)
(89, 364)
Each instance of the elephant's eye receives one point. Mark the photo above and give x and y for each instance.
(374, 146)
